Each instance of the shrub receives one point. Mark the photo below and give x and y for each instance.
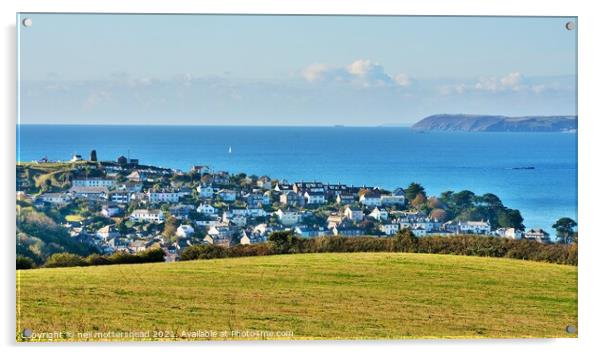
(406, 241)
(65, 260)
(208, 251)
(285, 242)
(153, 255)
(24, 262)
(96, 259)
(249, 250)
(124, 258)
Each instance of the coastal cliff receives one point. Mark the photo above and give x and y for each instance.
(487, 123)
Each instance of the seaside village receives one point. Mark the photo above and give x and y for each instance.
(131, 207)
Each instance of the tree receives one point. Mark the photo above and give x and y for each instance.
(565, 230)
(419, 200)
(439, 214)
(406, 241)
(93, 155)
(463, 199)
(122, 227)
(434, 202)
(413, 190)
(509, 218)
(284, 242)
(446, 197)
(171, 225)
(491, 200)
(24, 262)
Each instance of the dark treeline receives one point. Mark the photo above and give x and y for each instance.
(68, 259)
(288, 243)
(404, 241)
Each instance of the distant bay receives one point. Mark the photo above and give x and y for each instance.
(377, 156)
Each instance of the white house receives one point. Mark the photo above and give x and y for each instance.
(205, 191)
(345, 199)
(220, 235)
(144, 215)
(335, 219)
(353, 214)
(120, 197)
(93, 182)
(371, 199)
(110, 211)
(314, 198)
(288, 218)
(239, 220)
(245, 240)
(76, 157)
(207, 209)
(55, 198)
(510, 233)
(107, 232)
(249, 212)
(200, 169)
(184, 231)
(181, 211)
(538, 235)
(389, 228)
(137, 176)
(137, 246)
(90, 193)
(210, 222)
(264, 182)
(390, 200)
(419, 232)
(283, 187)
(159, 196)
(257, 199)
(379, 215)
(227, 195)
(310, 232)
(474, 227)
(291, 198)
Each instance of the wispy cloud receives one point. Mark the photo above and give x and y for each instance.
(511, 81)
(360, 73)
(354, 93)
(514, 82)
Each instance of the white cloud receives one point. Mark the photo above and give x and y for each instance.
(402, 79)
(452, 89)
(512, 81)
(361, 72)
(314, 72)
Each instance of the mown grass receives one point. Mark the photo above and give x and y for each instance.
(74, 218)
(316, 296)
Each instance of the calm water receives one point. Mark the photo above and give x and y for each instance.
(387, 157)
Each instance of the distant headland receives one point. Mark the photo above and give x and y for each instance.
(490, 123)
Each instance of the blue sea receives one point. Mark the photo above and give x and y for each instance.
(388, 157)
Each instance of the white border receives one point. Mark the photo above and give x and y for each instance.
(589, 161)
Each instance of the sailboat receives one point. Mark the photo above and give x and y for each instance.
(230, 150)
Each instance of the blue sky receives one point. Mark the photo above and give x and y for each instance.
(291, 70)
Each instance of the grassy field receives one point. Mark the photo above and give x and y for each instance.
(314, 296)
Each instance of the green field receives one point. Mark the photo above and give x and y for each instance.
(316, 296)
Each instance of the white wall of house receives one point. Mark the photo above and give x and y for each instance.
(93, 182)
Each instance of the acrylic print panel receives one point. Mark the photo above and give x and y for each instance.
(222, 177)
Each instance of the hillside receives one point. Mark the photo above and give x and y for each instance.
(484, 123)
(316, 296)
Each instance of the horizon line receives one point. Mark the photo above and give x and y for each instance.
(388, 125)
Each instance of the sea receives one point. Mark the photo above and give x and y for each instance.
(533, 172)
